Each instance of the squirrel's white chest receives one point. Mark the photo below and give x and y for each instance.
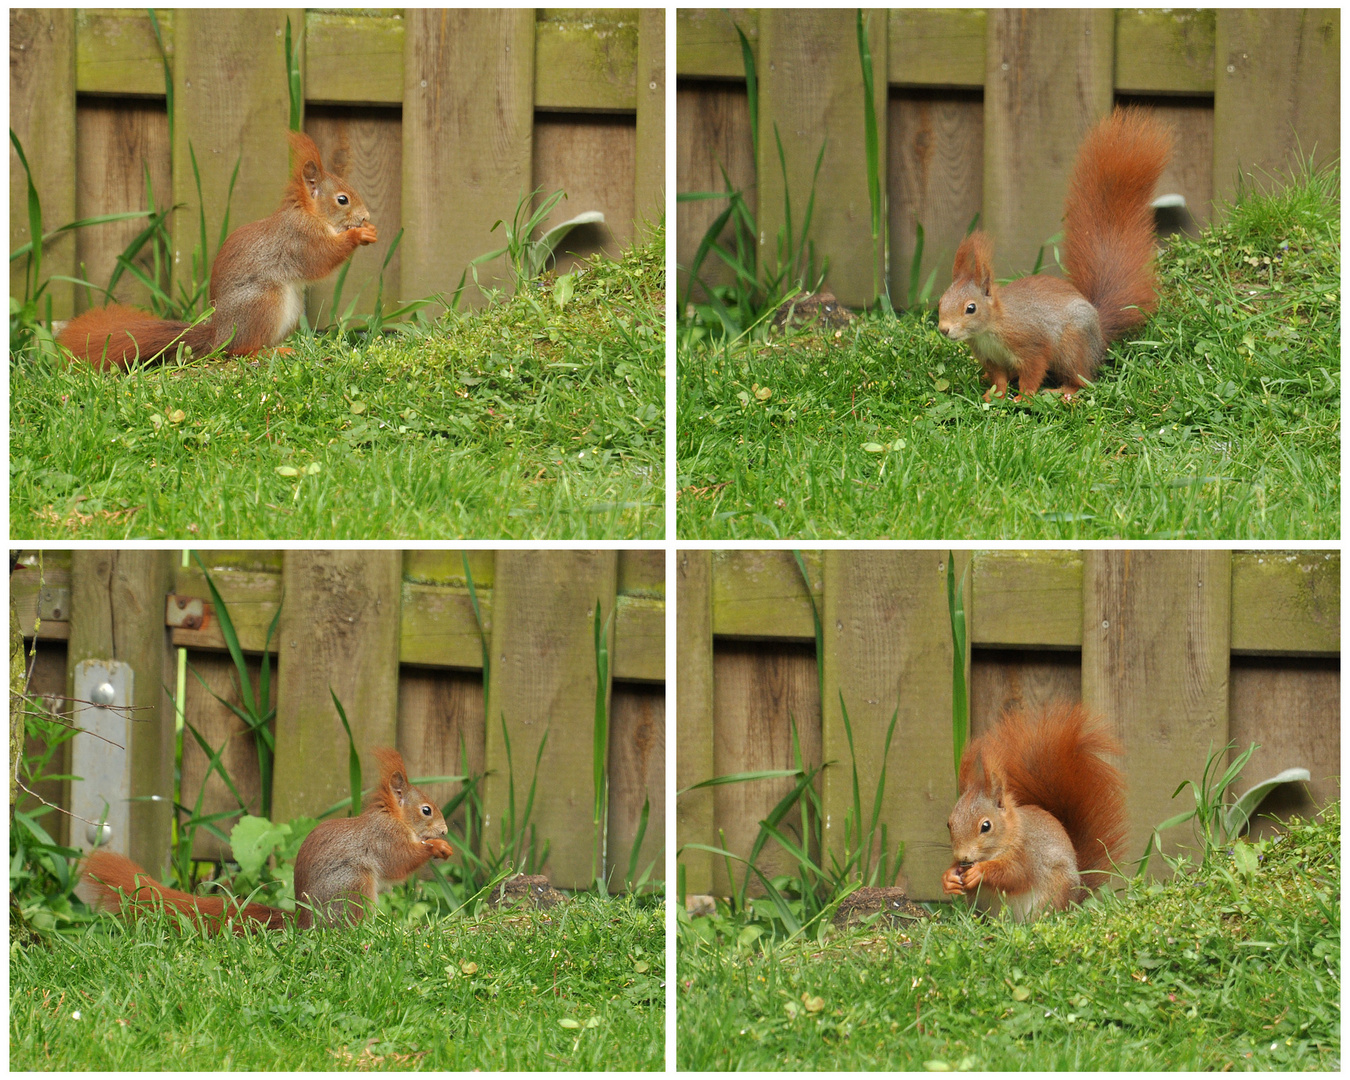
(288, 311)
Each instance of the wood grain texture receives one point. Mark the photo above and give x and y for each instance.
(758, 690)
(365, 146)
(1292, 709)
(220, 727)
(468, 111)
(712, 133)
(642, 572)
(436, 710)
(119, 142)
(1277, 91)
(887, 645)
(354, 57)
(116, 52)
(649, 182)
(117, 599)
(936, 146)
(694, 728)
(42, 116)
(1156, 627)
(1003, 679)
(811, 87)
(1034, 119)
(586, 59)
(231, 104)
(592, 159)
(637, 773)
(1191, 171)
(543, 679)
(639, 639)
(339, 629)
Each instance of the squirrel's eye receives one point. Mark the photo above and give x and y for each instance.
(986, 825)
(970, 308)
(426, 810)
(342, 200)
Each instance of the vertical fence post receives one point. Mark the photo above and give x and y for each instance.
(694, 714)
(888, 643)
(1272, 94)
(340, 615)
(810, 84)
(117, 613)
(42, 115)
(649, 170)
(468, 132)
(1034, 119)
(543, 679)
(1156, 632)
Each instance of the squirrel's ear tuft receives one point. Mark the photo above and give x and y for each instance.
(974, 259)
(304, 150)
(392, 769)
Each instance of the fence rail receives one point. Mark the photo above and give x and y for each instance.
(982, 112)
(448, 118)
(1178, 651)
(395, 636)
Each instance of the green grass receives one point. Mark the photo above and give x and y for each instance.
(385, 995)
(1215, 970)
(1220, 420)
(522, 420)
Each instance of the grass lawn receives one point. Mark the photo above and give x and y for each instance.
(523, 420)
(1231, 968)
(1221, 419)
(580, 986)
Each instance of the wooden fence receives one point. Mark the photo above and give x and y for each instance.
(448, 118)
(982, 112)
(395, 636)
(1178, 651)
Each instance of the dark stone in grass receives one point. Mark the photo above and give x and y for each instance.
(892, 904)
(526, 890)
(820, 308)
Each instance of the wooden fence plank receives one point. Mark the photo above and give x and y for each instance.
(339, 630)
(761, 593)
(639, 639)
(813, 92)
(694, 729)
(231, 103)
(1034, 119)
(649, 181)
(1277, 91)
(42, 116)
(1027, 598)
(637, 774)
(642, 572)
(759, 690)
(116, 52)
(354, 58)
(937, 48)
(1287, 602)
(706, 43)
(468, 112)
(1156, 628)
(440, 729)
(543, 679)
(888, 645)
(1164, 51)
(115, 608)
(586, 60)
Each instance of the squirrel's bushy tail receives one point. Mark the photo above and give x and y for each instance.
(1108, 222)
(1054, 760)
(115, 883)
(117, 336)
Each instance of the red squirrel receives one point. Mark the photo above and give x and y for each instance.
(338, 869)
(257, 279)
(1042, 323)
(1041, 815)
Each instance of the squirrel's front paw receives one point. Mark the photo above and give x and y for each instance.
(366, 234)
(973, 875)
(439, 848)
(951, 882)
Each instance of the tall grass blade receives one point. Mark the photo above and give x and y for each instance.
(353, 758)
